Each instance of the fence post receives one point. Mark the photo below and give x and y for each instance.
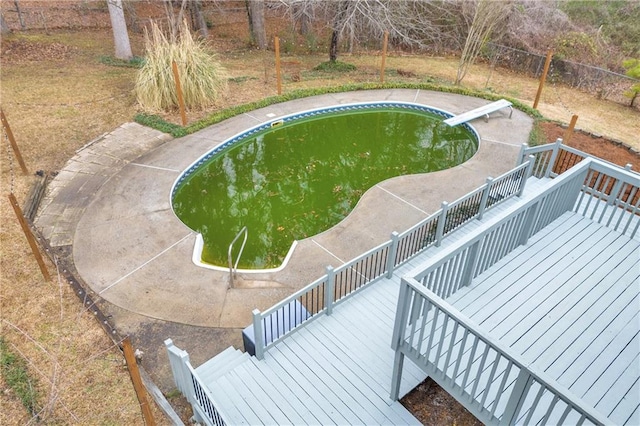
(527, 173)
(258, 333)
(12, 141)
(329, 290)
(393, 250)
(138, 386)
(276, 43)
(384, 55)
(485, 198)
(547, 62)
(554, 156)
(441, 221)
(29, 235)
(572, 125)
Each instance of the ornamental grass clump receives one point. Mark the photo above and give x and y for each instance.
(202, 78)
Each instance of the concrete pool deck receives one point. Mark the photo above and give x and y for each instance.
(110, 207)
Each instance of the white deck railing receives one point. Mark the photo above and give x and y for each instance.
(553, 159)
(337, 284)
(493, 382)
(444, 342)
(190, 385)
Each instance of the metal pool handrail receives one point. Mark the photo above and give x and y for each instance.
(234, 267)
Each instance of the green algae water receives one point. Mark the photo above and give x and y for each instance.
(297, 179)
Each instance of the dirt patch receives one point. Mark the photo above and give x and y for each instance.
(431, 405)
(596, 145)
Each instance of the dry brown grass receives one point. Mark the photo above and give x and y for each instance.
(57, 99)
(55, 105)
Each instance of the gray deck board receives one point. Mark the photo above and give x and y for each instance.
(568, 303)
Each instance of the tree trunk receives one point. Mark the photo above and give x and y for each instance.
(255, 10)
(338, 21)
(195, 6)
(119, 27)
(22, 25)
(333, 49)
(305, 25)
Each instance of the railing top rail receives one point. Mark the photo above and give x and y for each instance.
(539, 148)
(467, 240)
(293, 297)
(617, 172)
(469, 195)
(562, 392)
(419, 224)
(362, 256)
(549, 146)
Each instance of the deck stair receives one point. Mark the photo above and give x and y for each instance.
(222, 363)
(337, 371)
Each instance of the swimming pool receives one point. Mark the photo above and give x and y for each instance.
(298, 175)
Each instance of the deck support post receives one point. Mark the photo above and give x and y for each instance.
(554, 156)
(472, 261)
(528, 224)
(522, 154)
(615, 191)
(258, 333)
(485, 198)
(391, 257)
(178, 360)
(527, 173)
(522, 384)
(441, 221)
(396, 376)
(329, 290)
(401, 314)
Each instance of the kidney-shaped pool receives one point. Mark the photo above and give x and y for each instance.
(299, 175)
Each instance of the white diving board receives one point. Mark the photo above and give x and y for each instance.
(479, 112)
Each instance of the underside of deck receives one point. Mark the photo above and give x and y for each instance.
(568, 304)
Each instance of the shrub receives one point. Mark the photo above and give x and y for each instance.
(202, 78)
(334, 66)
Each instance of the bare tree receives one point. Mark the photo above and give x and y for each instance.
(486, 16)
(197, 17)
(119, 27)
(410, 23)
(255, 10)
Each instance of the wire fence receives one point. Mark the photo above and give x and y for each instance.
(600, 82)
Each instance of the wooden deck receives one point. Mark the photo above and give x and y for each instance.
(335, 370)
(568, 303)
